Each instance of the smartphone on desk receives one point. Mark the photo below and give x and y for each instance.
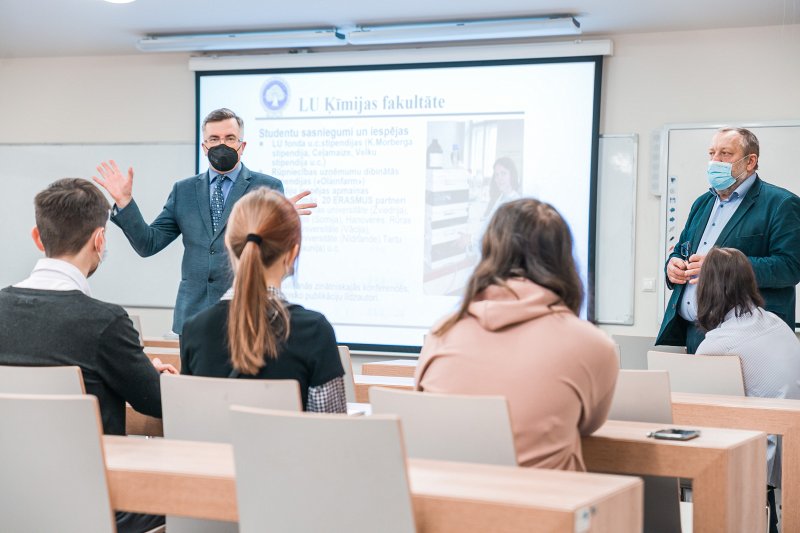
(675, 434)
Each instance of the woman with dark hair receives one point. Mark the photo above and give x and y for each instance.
(730, 310)
(517, 334)
(253, 332)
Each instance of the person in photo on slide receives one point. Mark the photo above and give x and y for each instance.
(197, 208)
(743, 212)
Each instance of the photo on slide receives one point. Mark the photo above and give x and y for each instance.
(473, 166)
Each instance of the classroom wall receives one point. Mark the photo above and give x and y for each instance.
(746, 74)
(742, 75)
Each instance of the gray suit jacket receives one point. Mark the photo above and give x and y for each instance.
(205, 271)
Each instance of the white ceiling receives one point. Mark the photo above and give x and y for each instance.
(41, 28)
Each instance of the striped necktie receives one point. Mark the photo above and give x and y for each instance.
(217, 203)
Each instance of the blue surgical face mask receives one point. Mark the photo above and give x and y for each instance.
(719, 174)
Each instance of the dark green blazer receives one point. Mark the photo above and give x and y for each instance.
(766, 228)
(205, 271)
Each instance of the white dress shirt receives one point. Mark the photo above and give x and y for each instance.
(56, 275)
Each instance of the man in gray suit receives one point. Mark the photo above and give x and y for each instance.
(197, 208)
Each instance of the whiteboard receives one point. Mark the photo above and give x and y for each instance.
(683, 174)
(616, 224)
(125, 278)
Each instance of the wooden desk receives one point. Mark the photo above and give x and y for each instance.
(159, 342)
(726, 467)
(771, 415)
(363, 383)
(138, 424)
(167, 355)
(197, 479)
(403, 368)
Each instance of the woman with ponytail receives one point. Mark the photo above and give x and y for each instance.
(253, 332)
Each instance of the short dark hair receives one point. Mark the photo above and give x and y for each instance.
(727, 281)
(527, 239)
(223, 113)
(67, 212)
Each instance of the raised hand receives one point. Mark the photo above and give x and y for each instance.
(302, 209)
(118, 185)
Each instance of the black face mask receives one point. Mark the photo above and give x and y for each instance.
(223, 158)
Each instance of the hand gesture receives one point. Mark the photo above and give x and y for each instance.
(118, 185)
(676, 271)
(693, 268)
(163, 367)
(302, 209)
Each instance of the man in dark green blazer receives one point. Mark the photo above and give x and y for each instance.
(197, 208)
(740, 211)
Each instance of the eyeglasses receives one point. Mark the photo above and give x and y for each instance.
(230, 140)
(685, 250)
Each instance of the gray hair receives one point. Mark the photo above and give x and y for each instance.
(747, 139)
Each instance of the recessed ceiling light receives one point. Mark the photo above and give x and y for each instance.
(119, 1)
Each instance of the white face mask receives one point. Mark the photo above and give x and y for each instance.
(101, 256)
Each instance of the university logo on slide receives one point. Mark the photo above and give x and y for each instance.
(274, 95)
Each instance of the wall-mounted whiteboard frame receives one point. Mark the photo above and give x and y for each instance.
(124, 278)
(684, 156)
(615, 251)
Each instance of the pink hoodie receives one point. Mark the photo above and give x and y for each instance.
(557, 371)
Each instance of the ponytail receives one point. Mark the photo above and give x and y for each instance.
(262, 227)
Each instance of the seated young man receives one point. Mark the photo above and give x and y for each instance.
(51, 319)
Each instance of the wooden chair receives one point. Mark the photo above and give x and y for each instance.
(298, 472)
(41, 380)
(705, 374)
(644, 396)
(51, 465)
(137, 325)
(198, 408)
(633, 350)
(349, 383)
(473, 429)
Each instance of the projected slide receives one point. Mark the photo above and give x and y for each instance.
(408, 165)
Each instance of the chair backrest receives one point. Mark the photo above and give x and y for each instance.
(197, 408)
(51, 465)
(473, 429)
(349, 383)
(633, 350)
(320, 472)
(642, 396)
(41, 380)
(137, 325)
(705, 374)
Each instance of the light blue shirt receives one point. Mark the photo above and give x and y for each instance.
(721, 214)
(227, 184)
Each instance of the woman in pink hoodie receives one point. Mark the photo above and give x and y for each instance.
(517, 334)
